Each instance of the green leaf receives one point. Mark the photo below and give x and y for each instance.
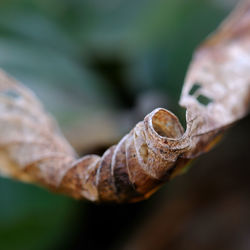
(32, 218)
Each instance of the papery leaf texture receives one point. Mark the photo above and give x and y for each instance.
(215, 93)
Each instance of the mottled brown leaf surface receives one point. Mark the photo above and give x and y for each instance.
(215, 93)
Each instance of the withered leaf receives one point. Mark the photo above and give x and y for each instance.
(215, 94)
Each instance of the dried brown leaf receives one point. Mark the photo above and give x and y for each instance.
(216, 93)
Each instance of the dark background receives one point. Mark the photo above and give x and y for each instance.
(99, 67)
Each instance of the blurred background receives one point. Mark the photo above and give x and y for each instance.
(99, 67)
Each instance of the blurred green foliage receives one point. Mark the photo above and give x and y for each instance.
(31, 218)
(63, 49)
